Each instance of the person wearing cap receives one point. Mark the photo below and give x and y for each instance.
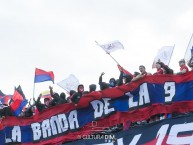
(190, 62)
(92, 88)
(183, 68)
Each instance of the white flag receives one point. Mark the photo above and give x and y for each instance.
(70, 83)
(164, 55)
(111, 46)
(189, 50)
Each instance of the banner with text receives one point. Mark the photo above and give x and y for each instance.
(173, 131)
(98, 110)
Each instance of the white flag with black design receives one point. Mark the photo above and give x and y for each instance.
(111, 46)
(164, 54)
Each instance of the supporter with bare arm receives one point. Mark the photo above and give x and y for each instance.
(142, 74)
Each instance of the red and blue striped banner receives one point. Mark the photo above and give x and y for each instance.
(132, 102)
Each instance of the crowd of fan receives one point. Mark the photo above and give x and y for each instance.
(74, 96)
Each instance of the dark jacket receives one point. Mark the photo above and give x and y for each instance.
(76, 96)
(39, 105)
(127, 77)
(6, 111)
(103, 85)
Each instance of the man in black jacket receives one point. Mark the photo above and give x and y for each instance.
(76, 97)
(57, 99)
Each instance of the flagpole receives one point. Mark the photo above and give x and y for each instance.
(107, 53)
(188, 46)
(171, 55)
(34, 92)
(34, 89)
(113, 58)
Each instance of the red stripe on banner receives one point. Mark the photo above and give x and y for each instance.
(114, 119)
(160, 79)
(135, 115)
(117, 118)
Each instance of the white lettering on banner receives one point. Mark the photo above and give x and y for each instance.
(36, 131)
(101, 108)
(63, 122)
(46, 130)
(107, 110)
(143, 94)
(98, 108)
(120, 141)
(73, 120)
(135, 139)
(8, 140)
(131, 102)
(144, 98)
(174, 139)
(161, 134)
(55, 125)
(133, 142)
(170, 90)
(16, 135)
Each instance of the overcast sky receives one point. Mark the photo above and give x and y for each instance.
(59, 36)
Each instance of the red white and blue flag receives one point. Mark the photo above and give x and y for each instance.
(19, 101)
(42, 76)
(5, 98)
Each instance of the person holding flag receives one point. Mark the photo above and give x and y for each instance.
(124, 74)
